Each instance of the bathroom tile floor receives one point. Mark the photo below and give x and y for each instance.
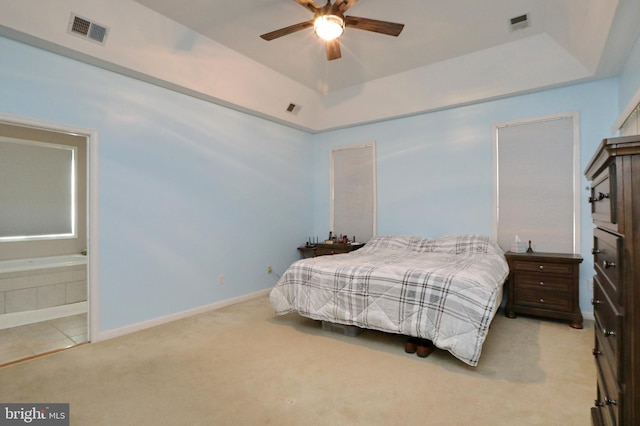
(35, 339)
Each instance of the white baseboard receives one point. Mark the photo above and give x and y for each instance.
(16, 319)
(110, 334)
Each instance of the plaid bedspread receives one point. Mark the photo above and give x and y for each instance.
(445, 289)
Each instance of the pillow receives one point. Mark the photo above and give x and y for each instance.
(422, 245)
(388, 241)
(466, 244)
(454, 244)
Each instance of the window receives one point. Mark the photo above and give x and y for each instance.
(37, 194)
(537, 183)
(353, 192)
(631, 125)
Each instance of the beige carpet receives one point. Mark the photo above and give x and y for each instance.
(242, 365)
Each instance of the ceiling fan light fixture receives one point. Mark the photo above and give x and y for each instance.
(328, 27)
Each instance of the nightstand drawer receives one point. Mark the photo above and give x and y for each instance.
(542, 299)
(328, 251)
(543, 282)
(542, 267)
(337, 248)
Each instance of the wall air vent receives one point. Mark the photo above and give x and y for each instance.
(519, 22)
(87, 29)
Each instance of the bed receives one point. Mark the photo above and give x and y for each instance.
(446, 290)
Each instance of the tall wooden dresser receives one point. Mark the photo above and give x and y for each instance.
(614, 172)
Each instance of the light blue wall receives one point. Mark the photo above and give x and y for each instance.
(630, 76)
(435, 171)
(188, 190)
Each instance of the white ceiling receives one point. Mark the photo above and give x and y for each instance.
(450, 53)
(435, 31)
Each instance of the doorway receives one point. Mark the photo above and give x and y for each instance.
(45, 253)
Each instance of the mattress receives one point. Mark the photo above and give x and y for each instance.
(446, 289)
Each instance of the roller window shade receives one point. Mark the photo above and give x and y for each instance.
(36, 193)
(631, 125)
(536, 185)
(353, 192)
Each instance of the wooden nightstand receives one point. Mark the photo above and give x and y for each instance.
(544, 284)
(327, 249)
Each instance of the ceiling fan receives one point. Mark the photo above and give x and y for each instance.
(329, 23)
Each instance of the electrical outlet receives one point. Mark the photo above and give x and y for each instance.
(221, 279)
(269, 269)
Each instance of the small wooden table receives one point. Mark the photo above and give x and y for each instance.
(327, 249)
(544, 284)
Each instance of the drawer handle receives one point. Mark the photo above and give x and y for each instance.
(598, 403)
(541, 266)
(610, 401)
(541, 300)
(595, 251)
(608, 333)
(601, 196)
(595, 302)
(541, 282)
(607, 265)
(596, 352)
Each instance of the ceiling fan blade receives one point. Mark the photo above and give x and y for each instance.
(343, 5)
(287, 30)
(333, 49)
(382, 27)
(309, 4)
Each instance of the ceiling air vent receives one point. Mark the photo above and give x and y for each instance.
(293, 108)
(87, 29)
(519, 22)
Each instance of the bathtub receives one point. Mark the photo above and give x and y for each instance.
(39, 289)
(41, 263)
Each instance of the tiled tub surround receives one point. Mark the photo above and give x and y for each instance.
(57, 285)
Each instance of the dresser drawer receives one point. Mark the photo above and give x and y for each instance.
(608, 327)
(596, 417)
(542, 267)
(608, 262)
(603, 198)
(605, 354)
(609, 401)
